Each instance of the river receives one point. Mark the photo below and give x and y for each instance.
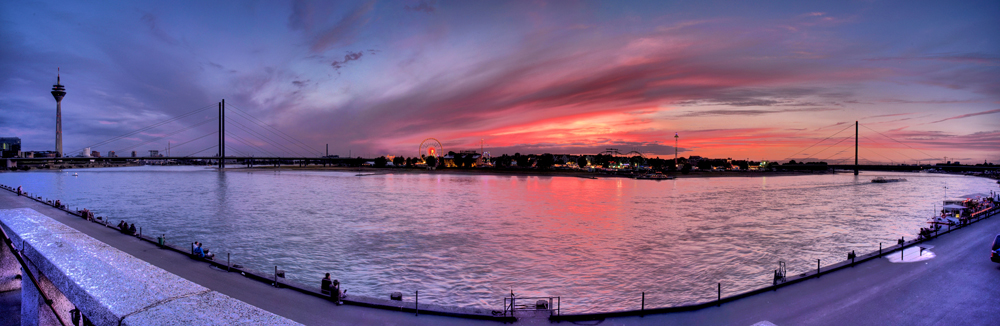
(469, 240)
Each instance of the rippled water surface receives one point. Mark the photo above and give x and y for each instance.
(469, 240)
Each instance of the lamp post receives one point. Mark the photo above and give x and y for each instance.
(675, 150)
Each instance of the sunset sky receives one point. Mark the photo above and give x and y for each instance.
(772, 80)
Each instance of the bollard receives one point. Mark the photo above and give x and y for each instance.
(901, 253)
(817, 268)
(140, 232)
(720, 295)
(416, 303)
(228, 265)
(275, 276)
(643, 301)
(879, 250)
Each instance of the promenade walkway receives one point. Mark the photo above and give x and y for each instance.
(959, 286)
(284, 302)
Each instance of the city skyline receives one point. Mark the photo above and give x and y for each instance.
(734, 80)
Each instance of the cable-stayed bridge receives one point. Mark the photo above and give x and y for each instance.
(191, 137)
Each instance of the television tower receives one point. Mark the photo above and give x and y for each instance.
(58, 91)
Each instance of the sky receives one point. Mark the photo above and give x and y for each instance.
(758, 80)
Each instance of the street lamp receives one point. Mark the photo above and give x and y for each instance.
(675, 150)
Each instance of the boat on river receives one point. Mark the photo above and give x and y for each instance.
(887, 180)
(959, 210)
(654, 176)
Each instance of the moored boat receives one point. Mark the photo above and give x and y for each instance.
(654, 176)
(887, 180)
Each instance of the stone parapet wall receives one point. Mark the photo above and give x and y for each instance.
(111, 287)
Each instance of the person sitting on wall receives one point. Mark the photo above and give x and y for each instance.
(335, 293)
(120, 225)
(198, 251)
(324, 285)
(132, 230)
(209, 255)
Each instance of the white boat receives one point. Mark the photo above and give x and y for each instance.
(76, 175)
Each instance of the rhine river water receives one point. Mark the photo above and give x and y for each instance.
(468, 240)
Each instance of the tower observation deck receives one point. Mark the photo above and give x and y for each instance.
(58, 91)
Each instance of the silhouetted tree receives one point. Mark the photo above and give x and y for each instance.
(686, 169)
(522, 160)
(380, 162)
(704, 165)
(545, 161)
(431, 161)
(398, 160)
(581, 161)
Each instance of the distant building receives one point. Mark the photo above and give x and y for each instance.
(10, 147)
(39, 154)
(86, 152)
(133, 153)
(95, 154)
(112, 154)
(154, 153)
(470, 158)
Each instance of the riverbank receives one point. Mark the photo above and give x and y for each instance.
(838, 292)
(366, 171)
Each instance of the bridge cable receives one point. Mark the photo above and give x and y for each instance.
(263, 137)
(276, 146)
(831, 146)
(146, 128)
(265, 127)
(206, 135)
(169, 134)
(810, 146)
(279, 132)
(893, 139)
(240, 139)
(276, 131)
(192, 154)
(897, 152)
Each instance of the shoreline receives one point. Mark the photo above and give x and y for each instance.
(507, 172)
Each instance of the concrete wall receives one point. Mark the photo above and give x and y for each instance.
(111, 287)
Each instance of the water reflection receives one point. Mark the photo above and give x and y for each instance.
(470, 240)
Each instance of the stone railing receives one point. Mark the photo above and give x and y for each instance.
(108, 286)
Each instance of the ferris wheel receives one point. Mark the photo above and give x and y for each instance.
(430, 147)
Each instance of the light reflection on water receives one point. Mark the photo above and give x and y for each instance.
(468, 240)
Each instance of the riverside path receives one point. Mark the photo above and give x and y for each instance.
(957, 287)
